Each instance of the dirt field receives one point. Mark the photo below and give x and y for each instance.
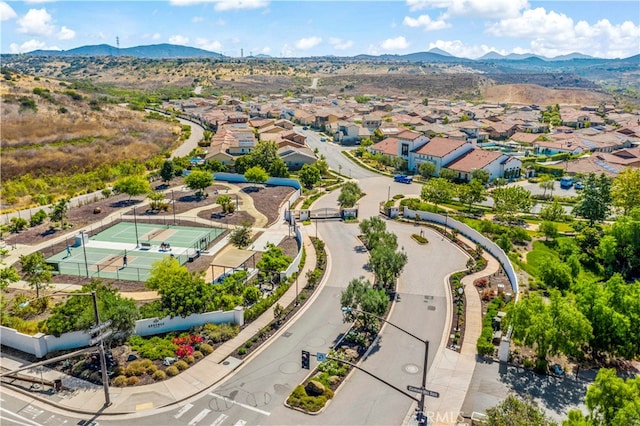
(533, 94)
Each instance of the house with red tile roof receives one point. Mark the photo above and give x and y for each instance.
(408, 141)
(496, 163)
(388, 146)
(438, 151)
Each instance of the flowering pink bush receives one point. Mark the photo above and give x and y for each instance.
(185, 344)
(184, 350)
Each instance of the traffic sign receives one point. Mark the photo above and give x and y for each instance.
(99, 337)
(99, 327)
(321, 357)
(423, 391)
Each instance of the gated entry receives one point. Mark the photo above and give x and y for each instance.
(320, 214)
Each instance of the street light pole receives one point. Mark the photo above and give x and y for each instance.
(84, 250)
(347, 309)
(135, 224)
(103, 359)
(173, 202)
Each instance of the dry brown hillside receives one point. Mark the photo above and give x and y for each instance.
(50, 128)
(533, 94)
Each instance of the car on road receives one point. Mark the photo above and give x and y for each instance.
(403, 178)
(323, 139)
(305, 128)
(578, 185)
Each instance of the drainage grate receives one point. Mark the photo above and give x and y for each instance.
(431, 308)
(287, 334)
(427, 297)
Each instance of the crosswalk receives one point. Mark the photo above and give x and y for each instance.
(208, 417)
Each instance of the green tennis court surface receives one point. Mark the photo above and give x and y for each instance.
(103, 256)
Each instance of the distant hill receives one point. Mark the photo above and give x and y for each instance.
(493, 56)
(439, 52)
(151, 51)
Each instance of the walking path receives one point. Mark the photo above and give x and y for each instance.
(89, 398)
(450, 374)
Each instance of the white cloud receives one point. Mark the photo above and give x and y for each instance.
(66, 33)
(178, 39)
(220, 22)
(461, 50)
(491, 9)
(210, 45)
(265, 50)
(29, 46)
(6, 12)
(308, 42)
(223, 5)
(398, 43)
(425, 22)
(286, 51)
(36, 22)
(551, 34)
(340, 44)
(196, 19)
(155, 36)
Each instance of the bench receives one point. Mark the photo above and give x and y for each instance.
(145, 245)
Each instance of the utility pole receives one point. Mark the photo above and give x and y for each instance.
(103, 359)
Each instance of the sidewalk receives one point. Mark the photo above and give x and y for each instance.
(451, 372)
(197, 378)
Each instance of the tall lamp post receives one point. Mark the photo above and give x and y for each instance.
(84, 250)
(135, 224)
(347, 310)
(98, 327)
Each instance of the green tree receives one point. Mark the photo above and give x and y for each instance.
(241, 236)
(482, 175)
(427, 169)
(611, 400)
(548, 229)
(273, 259)
(199, 181)
(374, 233)
(182, 293)
(350, 193)
(554, 273)
(514, 411)
(37, 218)
(595, 200)
(8, 275)
(256, 174)
(509, 200)
(156, 200)
(361, 295)
(132, 186)
(17, 224)
(226, 203)
(626, 231)
(550, 327)
(625, 189)
(309, 175)
(321, 165)
(552, 212)
(448, 174)
(36, 271)
(437, 191)
(547, 183)
(76, 312)
(167, 172)
(59, 211)
(472, 193)
(387, 264)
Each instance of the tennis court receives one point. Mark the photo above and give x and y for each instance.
(118, 253)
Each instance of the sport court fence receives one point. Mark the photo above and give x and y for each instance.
(133, 273)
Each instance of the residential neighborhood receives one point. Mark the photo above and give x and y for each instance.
(456, 135)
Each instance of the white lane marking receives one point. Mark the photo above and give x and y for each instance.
(248, 407)
(183, 410)
(35, 412)
(221, 418)
(240, 423)
(26, 420)
(201, 415)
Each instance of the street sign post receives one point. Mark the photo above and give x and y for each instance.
(99, 327)
(423, 391)
(99, 337)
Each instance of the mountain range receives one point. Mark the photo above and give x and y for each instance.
(177, 51)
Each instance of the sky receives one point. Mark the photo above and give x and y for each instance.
(281, 28)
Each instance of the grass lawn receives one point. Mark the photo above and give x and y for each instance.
(537, 256)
